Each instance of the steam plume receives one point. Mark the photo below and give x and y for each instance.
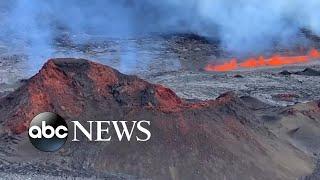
(241, 26)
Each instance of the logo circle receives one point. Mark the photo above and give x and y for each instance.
(48, 132)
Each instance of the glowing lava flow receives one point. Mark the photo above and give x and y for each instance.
(275, 60)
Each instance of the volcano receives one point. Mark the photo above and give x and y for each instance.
(226, 138)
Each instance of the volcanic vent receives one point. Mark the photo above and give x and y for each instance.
(214, 139)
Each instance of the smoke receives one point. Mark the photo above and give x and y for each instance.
(248, 25)
(242, 26)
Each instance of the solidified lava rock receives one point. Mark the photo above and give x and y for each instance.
(308, 72)
(214, 139)
(238, 76)
(285, 96)
(285, 73)
(305, 72)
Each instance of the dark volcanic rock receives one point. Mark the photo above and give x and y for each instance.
(217, 139)
(308, 72)
(305, 72)
(285, 73)
(238, 76)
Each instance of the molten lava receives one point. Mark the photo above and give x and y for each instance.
(274, 60)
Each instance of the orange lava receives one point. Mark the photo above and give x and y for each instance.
(314, 53)
(273, 61)
(228, 66)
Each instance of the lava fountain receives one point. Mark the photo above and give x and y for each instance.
(261, 61)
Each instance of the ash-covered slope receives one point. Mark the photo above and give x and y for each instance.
(218, 139)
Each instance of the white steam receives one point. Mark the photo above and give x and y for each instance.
(241, 25)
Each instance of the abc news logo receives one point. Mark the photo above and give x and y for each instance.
(48, 131)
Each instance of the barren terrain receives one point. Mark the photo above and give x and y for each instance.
(270, 125)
